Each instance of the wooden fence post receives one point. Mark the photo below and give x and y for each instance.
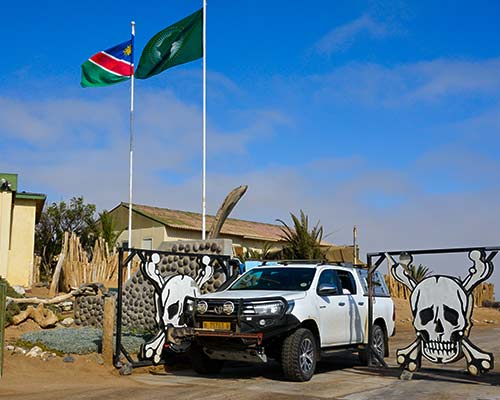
(3, 312)
(108, 325)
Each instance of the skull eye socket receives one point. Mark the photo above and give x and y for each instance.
(426, 315)
(173, 309)
(450, 315)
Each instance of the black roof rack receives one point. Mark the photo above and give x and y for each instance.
(312, 262)
(288, 262)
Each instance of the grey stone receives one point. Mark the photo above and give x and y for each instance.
(99, 360)
(67, 322)
(19, 290)
(68, 358)
(406, 375)
(35, 352)
(47, 356)
(126, 369)
(66, 305)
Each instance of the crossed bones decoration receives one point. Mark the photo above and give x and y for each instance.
(170, 293)
(442, 310)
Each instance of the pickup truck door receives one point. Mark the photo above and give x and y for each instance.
(333, 312)
(357, 305)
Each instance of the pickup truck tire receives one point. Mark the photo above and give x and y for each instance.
(379, 341)
(203, 364)
(298, 355)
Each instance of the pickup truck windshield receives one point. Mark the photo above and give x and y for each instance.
(279, 278)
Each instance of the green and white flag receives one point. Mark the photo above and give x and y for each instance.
(180, 43)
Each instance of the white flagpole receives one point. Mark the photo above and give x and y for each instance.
(132, 23)
(204, 140)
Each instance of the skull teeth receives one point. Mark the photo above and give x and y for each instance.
(438, 349)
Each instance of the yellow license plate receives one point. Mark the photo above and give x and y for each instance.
(217, 325)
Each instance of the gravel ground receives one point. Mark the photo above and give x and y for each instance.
(79, 340)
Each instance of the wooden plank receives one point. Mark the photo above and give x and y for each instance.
(54, 285)
(3, 312)
(108, 324)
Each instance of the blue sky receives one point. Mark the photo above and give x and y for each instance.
(380, 114)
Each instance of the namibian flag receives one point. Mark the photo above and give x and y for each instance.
(109, 66)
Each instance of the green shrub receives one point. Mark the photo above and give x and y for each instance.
(12, 308)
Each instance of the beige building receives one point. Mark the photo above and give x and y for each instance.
(153, 225)
(19, 213)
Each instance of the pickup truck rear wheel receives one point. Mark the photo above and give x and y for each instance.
(203, 364)
(378, 345)
(299, 355)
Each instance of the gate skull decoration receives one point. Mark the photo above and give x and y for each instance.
(442, 309)
(170, 293)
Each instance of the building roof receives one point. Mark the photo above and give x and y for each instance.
(192, 221)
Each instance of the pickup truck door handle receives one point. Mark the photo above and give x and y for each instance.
(341, 304)
(361, 303)
(322, 306)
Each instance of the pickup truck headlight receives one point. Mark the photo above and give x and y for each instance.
(268, 308)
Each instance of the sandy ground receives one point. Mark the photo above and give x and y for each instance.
(26, 378)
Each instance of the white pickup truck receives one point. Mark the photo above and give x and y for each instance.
(293, 313)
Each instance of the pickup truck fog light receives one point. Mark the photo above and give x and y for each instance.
(228, 307)
(202, 307)
(262, 322)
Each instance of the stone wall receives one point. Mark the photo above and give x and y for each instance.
(139, 311)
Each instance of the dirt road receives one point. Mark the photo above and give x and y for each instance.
(338, 378)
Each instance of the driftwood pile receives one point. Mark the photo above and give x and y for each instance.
(41, 315)
(47, 318)
(75, 268)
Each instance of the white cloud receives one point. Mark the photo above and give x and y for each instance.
(405, 84)
(343, 36)
(71, 146)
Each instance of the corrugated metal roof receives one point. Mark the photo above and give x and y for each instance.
(192, 221)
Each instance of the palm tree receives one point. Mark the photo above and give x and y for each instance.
(107, 229)
(267, 253)
(418, 273)
(300, 243)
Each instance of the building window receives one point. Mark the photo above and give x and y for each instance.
(147, 244)
(125, 244)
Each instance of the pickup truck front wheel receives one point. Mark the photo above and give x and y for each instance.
(298, 355)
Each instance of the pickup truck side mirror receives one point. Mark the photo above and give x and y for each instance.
(327, 289)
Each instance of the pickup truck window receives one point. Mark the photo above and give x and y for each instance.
(379, 286)
(347, 281)
(279, 278)
(329, 277)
